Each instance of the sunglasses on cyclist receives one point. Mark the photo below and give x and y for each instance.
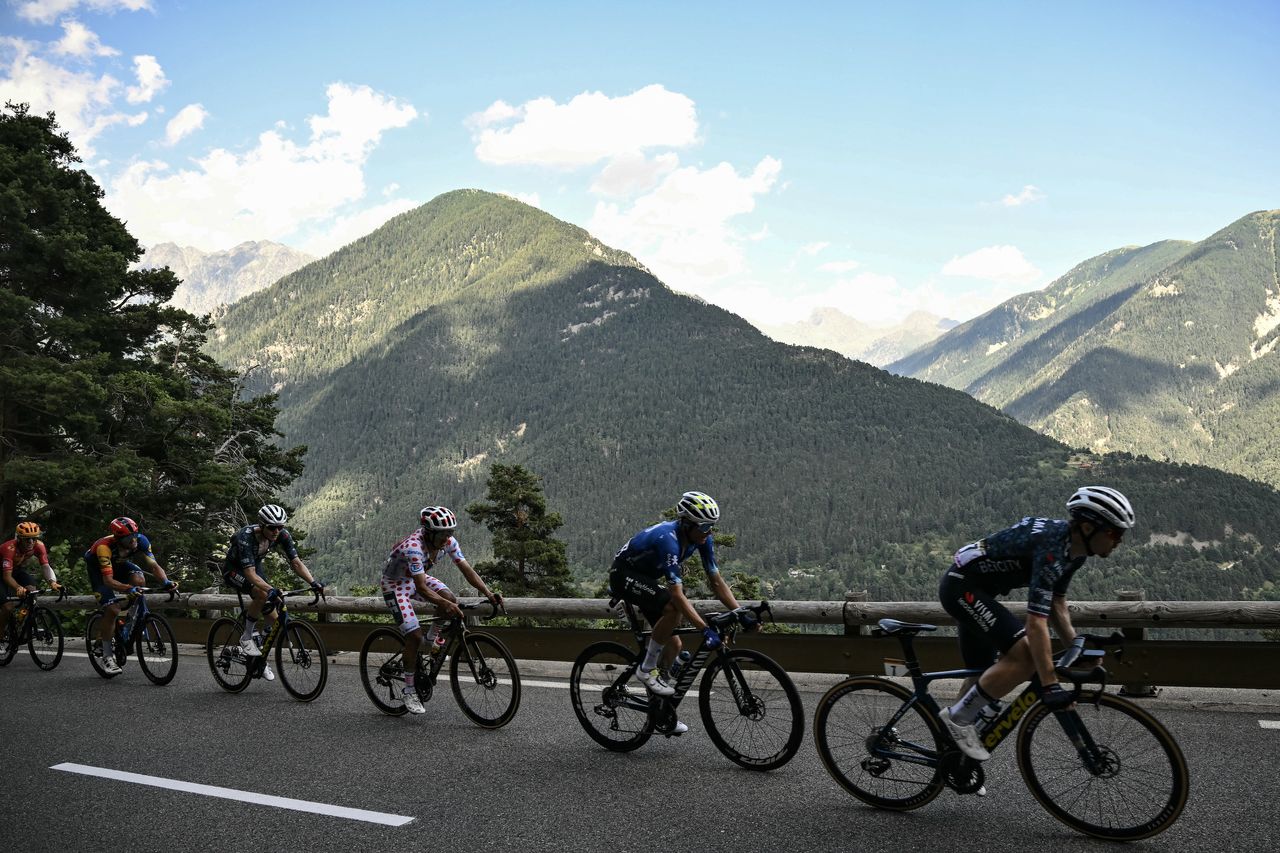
(276, 528)
(705, 527)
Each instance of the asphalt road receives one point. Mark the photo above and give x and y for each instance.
(538, 784)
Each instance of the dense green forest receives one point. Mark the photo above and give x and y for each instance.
(477, 330)
(1168, 350)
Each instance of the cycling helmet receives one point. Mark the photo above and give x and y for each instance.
(28, 530)
(123, 526)
(438, 519)
(698, 508)
(273, 514)
(1101, 505)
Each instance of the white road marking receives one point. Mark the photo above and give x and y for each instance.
(1269, 724)
(233, 794)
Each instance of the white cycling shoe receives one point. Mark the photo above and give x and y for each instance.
(656, 684)
(267, 673)
(249, 648)
(412, 702)
(966, 737)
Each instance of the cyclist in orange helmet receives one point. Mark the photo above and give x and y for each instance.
(24, 547)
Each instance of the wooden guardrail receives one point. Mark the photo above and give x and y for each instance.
(1168, 662)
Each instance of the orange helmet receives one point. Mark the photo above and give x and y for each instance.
(28, 530)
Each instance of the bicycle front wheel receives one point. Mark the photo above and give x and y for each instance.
(157, 650)
(301, 661)
(485, 681)
(614, 712)
(751, 709)
(1127, 781)
(382, 670)
(94, 646)
(878, 747)
(229, 665)
(45, 643)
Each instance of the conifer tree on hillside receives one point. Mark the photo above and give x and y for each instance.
(527, 561)
(108, 405)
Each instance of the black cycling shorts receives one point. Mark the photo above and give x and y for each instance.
(643, 591)
(235, 578)
(21, 578)
(986, 626)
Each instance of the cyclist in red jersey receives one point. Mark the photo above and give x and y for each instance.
(24, 547)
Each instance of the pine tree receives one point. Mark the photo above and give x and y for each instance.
(527, 560)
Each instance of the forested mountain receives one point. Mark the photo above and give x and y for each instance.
(830, 328)
(212, 279)
(477, 329)
(1167, 350)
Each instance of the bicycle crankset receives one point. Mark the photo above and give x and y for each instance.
(961, 773)
(664, 718)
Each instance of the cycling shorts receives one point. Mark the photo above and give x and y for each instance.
(400, 593)
(122, 573)
(641, 590)
(237, 580)
(986, 627)
(21, 578)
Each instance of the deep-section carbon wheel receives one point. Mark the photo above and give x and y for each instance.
(157, 649)
(751, 709)
(301, 662)
(612, 707)
(485, 680)
(230, 667)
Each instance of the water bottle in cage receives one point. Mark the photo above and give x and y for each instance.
(678, 665)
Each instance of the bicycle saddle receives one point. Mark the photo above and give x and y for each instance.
(893, 626)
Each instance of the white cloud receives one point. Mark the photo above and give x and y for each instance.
(682, 230)
(47, 11)
(390, 189)
(151, 80)
(270, 191)
(347, 229)
(1028, 195)
(188, 120)
(531, 199)
(589, 128)
(83, 101)
(631, 172)
(812, 249)
(79, 41)
(1002, 264)
(839, 266)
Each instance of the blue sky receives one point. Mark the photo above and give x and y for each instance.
(772, 158)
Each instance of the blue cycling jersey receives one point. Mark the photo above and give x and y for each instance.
(1035, 553)
(655, 552)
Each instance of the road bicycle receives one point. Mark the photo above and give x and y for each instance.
(139, 630)
(38, 627)
(301, 662)
(748, 703)
(1104, 766)
(482, 672)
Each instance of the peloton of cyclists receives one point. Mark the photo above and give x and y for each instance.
(24, 547)
(1038, 553)
(242, 571)
(405, 580)
(647, 573)
(110, 565)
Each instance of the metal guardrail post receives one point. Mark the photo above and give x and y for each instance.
(851, 630)
(1137, 690)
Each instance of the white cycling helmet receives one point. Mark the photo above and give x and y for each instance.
(273, 514)
(698, 507)
(1101, 505)
(438, 519)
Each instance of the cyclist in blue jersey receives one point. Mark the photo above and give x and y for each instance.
(1041, 554)
(647, 573)
(242, 571)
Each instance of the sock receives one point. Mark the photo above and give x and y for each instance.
(108, 649)
(408, 682)
(651, 655)
(249, 625)
(965, 711)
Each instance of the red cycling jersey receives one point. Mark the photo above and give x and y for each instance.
(11, 557)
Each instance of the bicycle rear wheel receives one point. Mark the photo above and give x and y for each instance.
(301, 661)
(230, 668)
(485, 681)
(614, 712)
(10, 647)
(157, 650)
(751, 709)
(1130, 782)
(876, 747)
(45, 643)
(382, 670)
(94, 646)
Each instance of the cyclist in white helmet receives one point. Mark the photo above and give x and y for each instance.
(1041, 554)
(405, 580)
(647, 573)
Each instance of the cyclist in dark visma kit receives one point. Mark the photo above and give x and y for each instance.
(1041, 554)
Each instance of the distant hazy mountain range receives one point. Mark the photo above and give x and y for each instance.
(212, 279)
(829, 328)
(1168, 350)
(477, 329)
